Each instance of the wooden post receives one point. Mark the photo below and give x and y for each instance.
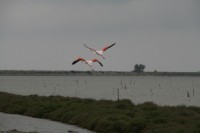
(44, 84)
(117, 94)
(54, 90)
(188, 94)
(193, 91)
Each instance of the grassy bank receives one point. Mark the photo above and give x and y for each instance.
(105, 116)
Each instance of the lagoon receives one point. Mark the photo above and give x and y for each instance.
(28, 124)
(162, 90)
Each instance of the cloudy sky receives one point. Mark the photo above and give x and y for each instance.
(164, 35)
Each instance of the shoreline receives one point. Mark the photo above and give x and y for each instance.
(15, 131)
(91, 73)
(18, 123)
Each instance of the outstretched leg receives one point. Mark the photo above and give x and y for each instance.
(92, 69)
(103, 57)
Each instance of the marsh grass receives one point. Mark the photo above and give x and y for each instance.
(104, 115)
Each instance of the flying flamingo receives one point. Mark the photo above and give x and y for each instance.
(100, 52)
(88, 62)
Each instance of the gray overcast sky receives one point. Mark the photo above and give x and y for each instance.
(164, 35)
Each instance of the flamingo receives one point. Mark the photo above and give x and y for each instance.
(100, 52)
(88, 62)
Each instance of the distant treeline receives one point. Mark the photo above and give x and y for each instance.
(91, 73)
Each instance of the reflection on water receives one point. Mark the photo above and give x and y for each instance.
(29, 124)
(163, 90)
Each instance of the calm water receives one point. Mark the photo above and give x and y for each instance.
(29, 124)
(163, 90)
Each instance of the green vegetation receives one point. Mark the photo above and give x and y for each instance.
(105, 116)
(139, 68)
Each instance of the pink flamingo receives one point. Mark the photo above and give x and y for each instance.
(88, 62)
(100, 52)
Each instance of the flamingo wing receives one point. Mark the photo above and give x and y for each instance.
(74, 62)
(90, 48)
(105, 48)
(79, 59)
(100, 63)
(95, 60)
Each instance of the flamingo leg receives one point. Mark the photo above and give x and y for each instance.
(103, 57)
(92, 69)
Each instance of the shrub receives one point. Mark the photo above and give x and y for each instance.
(137, 125)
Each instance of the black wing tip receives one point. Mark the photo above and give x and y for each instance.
(101, 64)
(113, 44)
(85, 45)
(74, 62)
